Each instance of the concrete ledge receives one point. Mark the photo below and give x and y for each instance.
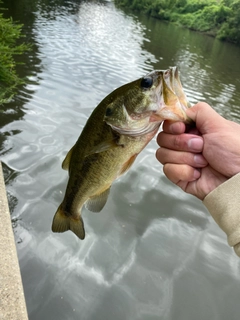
(12, 301)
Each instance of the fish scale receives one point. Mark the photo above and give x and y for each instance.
(116, 132)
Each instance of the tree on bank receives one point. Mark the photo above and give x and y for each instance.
(10, 33)
(219, 18)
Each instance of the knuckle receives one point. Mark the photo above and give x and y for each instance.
(177, 142)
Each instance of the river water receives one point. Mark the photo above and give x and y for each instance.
(153, 252)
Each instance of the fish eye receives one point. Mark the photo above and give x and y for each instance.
(146, 82)
(108, 112)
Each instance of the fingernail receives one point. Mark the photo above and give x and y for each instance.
(196, 174)
(195, 144)
(199, 159)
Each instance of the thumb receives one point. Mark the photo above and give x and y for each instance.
(204, 116)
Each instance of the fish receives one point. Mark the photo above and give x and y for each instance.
(118, 129)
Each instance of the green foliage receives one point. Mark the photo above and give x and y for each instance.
(181, 4)
(192, 6)
(207, 19)
(230, 28)
(9, 49)
(220, 18)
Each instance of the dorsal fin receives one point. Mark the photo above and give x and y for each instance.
(96, 203)
(66, 161)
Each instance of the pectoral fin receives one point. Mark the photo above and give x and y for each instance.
(126, 166)
(101, 147)
(105, 145)
(96, 203)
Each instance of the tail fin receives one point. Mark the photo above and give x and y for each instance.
(62, 223)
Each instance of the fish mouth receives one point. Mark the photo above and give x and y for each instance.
(173, 101)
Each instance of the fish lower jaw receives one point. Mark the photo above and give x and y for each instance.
(174, 114)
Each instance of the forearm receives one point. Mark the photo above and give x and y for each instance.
(223, 203)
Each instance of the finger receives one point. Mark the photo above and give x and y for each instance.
(180, 157)
(181, 142)
(180, 172)
(173, 127)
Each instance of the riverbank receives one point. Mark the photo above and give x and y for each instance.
(12, 301)
(220, 19)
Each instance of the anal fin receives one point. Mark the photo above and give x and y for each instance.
(97, 202)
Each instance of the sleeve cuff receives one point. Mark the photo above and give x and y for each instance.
(223, 203)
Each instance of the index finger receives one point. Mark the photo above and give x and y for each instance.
(173, 127)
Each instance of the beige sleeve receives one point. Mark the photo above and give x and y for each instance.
(223, 203)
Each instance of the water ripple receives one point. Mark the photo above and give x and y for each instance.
(151, 242)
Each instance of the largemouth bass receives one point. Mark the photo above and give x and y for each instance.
(116, 132)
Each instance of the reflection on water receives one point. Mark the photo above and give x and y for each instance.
(210, 68)
(153, 252)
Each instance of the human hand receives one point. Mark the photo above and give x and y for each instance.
(199, 159)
